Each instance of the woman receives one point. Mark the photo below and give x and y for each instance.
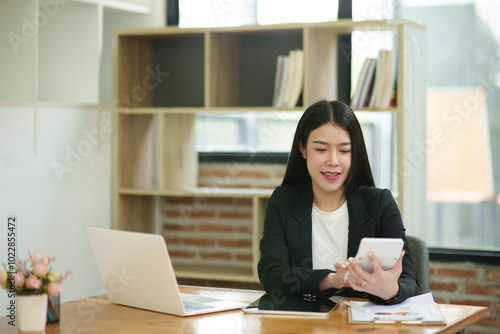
(326, 204)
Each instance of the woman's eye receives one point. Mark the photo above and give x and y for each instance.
(345, 151)
(321, 149)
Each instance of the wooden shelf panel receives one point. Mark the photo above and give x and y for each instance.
(197, 192)
(137, 156)
(341, 26)
(215, 273)
(189, 110)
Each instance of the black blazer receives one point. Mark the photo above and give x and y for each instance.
(285, 266)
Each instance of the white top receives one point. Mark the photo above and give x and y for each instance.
(329, 237)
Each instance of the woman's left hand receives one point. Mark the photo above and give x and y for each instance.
(380, 283)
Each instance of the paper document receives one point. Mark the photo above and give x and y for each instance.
(414, 310)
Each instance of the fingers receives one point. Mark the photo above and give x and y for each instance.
(373, 261)
(355, 276)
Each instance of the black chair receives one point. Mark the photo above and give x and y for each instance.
(420, 257)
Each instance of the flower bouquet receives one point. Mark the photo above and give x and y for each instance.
(31, 280)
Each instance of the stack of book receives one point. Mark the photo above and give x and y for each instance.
(289, 79)
(377, 82)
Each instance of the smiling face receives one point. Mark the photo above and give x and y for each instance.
(328, 156)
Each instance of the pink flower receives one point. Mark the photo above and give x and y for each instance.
(37, 257)
(33, 283)
(40, 269)
(3, 279)
(19, 279)
(54, 289)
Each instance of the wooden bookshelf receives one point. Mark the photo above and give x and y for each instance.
(232, 69)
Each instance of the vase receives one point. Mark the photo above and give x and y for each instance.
(31, 312)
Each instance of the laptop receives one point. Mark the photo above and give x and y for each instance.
(136, 271)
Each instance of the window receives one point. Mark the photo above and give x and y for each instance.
(273, 132)
(463, 99)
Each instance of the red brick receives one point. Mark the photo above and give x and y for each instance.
(244, 201)
(235, 243)
(221, 200)
(244, 257)
(431, 271)
(179, 200)
(254, 175)
(214, 173)
(172, 213)
(496, 308)
(215, 228)
(216, 255)
(470, 302)
(198, 214)
(243, 229)
(492, 322)
(178, 227)
(172, 241)
(237, 215)
(199, 241)
(443, 286)
(493, 276)
(483, 290)
(456, 273)
(185, 254)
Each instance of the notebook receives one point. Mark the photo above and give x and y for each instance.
(136, 271)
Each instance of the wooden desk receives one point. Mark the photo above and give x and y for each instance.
(97, 315)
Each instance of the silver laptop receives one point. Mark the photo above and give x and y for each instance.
(136, 271)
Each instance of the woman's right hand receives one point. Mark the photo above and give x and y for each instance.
(335, 280)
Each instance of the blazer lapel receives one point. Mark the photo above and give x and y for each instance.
(302, 215)
(358, 215)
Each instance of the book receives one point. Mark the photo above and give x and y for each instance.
(366, 82)
(377, 80)
(362, 75)
(296, 79)
(282, 81)
(390, 69)
(393, 101)
(277, 78)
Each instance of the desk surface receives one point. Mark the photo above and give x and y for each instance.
(97, 315)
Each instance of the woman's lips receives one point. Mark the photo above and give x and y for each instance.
(331, 176)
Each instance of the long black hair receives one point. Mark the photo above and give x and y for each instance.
(338, 114)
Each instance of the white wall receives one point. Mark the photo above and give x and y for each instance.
(53, 212)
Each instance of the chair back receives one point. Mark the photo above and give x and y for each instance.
(420, 257)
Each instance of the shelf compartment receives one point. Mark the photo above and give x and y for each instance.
(137, 155)
(113, 19)
(320, 82)
(135, 213)
(181, 59)
(242, 65)
(179, 157)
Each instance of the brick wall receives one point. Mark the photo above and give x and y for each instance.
(213, 231)
(218, 231)
(468, 284)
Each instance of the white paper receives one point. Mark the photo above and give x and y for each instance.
(418, 308)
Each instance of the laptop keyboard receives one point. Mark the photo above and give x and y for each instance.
(189, 306)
